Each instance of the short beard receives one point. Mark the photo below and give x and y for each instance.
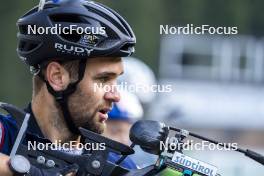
(88, 124)
(79, 114)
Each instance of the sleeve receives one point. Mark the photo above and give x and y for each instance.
(8, 133)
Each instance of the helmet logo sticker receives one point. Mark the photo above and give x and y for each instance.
(73, 50)
(89, 39)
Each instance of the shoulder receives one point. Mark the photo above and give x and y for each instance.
(8, 131)
(8, 120)
(2, 133)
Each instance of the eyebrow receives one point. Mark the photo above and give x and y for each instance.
(106, 73)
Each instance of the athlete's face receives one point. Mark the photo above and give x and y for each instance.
(95, 93)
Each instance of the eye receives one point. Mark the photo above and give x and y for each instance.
(104, 79)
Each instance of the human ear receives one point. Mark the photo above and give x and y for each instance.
(57, 76)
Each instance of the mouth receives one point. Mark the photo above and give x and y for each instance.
(103, 116)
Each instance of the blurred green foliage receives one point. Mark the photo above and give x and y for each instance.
(145, 17)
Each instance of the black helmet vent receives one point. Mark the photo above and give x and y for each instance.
(27, 46)
(74, 37)
(71, 18)
(67, 20)
(127, 47)
(23, 29)
(114, 22)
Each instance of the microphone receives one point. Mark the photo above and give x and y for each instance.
(148, 134)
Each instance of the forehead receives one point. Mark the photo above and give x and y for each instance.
(102, 64)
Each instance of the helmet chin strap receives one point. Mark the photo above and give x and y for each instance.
(62, 97)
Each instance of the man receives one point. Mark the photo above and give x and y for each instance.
(67, 65)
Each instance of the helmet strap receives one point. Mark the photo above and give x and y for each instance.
(62, 96)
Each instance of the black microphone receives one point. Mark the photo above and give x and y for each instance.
(148, 134)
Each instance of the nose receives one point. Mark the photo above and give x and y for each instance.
(113, 95)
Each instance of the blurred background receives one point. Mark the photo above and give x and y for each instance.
(217, 80)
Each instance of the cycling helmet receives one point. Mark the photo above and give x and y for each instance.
(117, 39)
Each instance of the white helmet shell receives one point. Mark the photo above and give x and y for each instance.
(138, 73)
(128, 108)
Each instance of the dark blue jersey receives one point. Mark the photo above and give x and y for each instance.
(9, 130)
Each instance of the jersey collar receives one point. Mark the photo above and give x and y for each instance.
(33, 126)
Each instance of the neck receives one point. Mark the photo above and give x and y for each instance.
(50, 118)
